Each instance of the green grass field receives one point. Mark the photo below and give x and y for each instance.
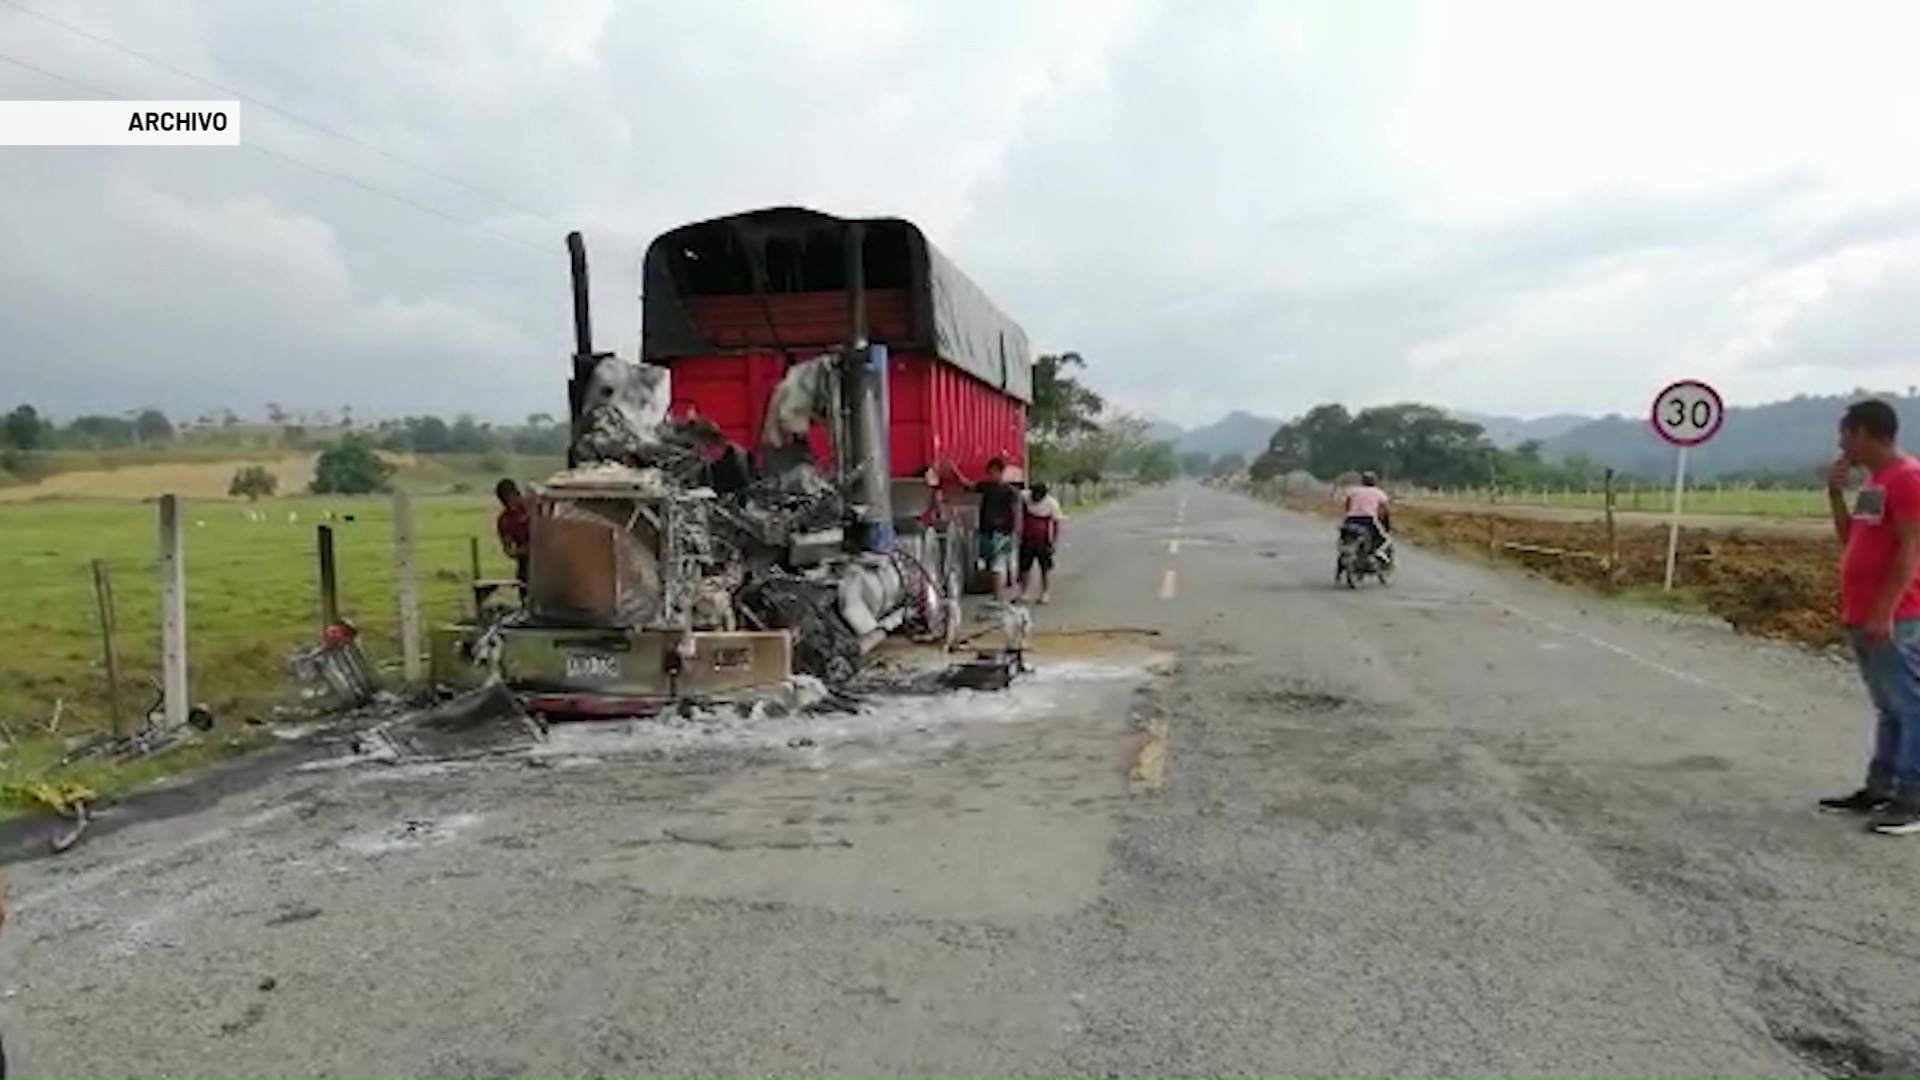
(1698, 500)
(252, 599)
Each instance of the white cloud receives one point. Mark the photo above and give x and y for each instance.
(1500, 205)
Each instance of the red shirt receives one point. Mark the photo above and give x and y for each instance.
(515, 528)
(1890, 495)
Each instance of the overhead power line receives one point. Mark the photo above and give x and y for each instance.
(291, 160)
(283, 113)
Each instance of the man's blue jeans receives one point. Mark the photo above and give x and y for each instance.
(1891, 670)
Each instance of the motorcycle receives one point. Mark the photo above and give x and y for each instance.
(1360, 558)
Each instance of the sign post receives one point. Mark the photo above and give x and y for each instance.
(1685, 414)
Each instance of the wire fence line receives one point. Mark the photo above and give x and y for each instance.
(251, 597)
(1708, 498)
(252, 594)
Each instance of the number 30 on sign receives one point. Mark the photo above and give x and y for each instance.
(1688, 413)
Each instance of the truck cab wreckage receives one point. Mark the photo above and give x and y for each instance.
(658, 575)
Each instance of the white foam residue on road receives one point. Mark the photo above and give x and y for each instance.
(1033, 696)
(377, 749)
(120, 862)
(412, 834)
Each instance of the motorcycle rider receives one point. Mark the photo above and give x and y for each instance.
(1368, 510)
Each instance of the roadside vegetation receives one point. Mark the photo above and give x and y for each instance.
(252, 600)
(252, 493)
(1771, 584)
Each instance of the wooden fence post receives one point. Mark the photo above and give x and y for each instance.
(329, 579)
(173, 613)
(110, 653)
(1613, 539)
(410, 651)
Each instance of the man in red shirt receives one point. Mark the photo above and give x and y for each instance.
(1880, 608)
(514, 526)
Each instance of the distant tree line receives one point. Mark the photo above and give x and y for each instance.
(1424, 446)
(1075, 437)
(25, 429)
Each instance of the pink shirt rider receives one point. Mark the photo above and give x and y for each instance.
(1366, 500)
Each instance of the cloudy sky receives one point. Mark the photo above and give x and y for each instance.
(1519, 207)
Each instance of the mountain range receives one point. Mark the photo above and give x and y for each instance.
(1796, 435)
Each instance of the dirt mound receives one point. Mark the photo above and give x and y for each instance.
(1772, 584)
(188, 479)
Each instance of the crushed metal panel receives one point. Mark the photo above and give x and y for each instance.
(622, 663)
(593, 562)
(483, 721)
(635, 664)
(725, 663)
(448, 662)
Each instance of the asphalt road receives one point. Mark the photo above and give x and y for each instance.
(1468, 824)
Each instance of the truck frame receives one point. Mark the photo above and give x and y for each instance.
(731, 303)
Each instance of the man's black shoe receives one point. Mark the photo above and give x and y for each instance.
(1899, 818)
(1860, 802)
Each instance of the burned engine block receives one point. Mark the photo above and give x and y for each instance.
(634, 537)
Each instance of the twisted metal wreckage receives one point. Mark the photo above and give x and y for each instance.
(652, 581)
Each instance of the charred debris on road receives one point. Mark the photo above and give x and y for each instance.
(658, 579)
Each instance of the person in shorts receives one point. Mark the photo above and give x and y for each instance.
(1039, 538)
(999, 524)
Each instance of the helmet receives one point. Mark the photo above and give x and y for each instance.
(1369, 477)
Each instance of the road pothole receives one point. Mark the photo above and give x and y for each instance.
(1841, 1056)
(1297, 700)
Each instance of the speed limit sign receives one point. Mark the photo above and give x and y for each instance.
(1685, 414)
(1688, 413)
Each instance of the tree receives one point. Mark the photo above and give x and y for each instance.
(350, 467)
(1411, 443)
(1230, 464)
(1116, 443)
(1196, 463)
(1158, 463)
(1061, 406)
(152, 426)
(429, 435)
(99, 432)
(23, 428)
(469, 436)
(253, 483)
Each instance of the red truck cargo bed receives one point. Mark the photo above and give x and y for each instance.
(936, 412)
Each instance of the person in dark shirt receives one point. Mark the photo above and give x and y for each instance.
(999, 524)
(514, 525)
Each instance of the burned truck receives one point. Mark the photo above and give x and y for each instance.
(651, 581)
(732, 305)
